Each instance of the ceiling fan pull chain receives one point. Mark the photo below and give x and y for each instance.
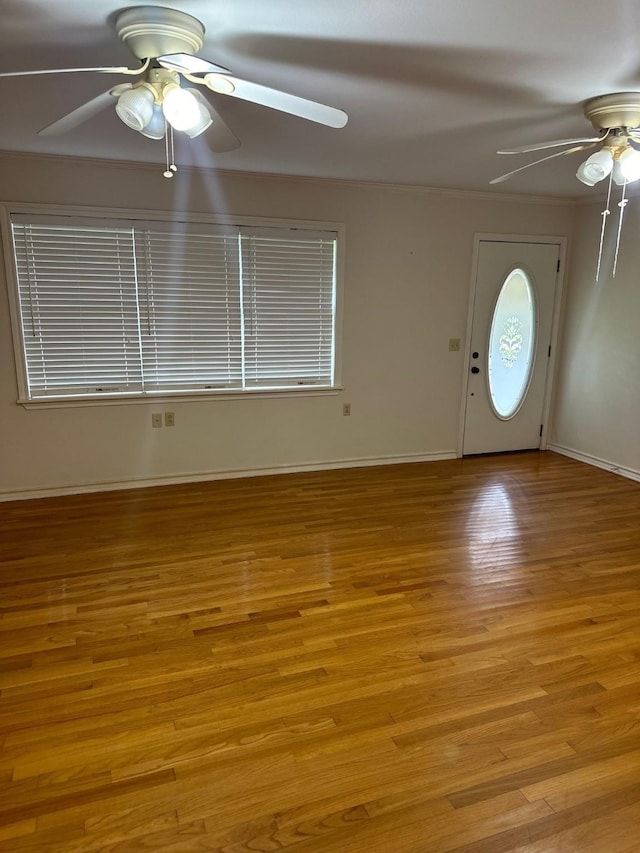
(168, 152)
(621, 204)
(172, 165)
(606, 212)
(167, 172)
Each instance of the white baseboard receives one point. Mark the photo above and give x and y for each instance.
(630, 473)
(205, 476)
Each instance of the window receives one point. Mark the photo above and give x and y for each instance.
(128, 307)
(511, 344)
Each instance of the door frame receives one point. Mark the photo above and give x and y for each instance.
(558, 301)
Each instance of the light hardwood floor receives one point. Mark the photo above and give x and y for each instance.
(408, 659)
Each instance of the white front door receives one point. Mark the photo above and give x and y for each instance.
(509, 350)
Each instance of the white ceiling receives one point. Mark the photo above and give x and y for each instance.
(432, 87)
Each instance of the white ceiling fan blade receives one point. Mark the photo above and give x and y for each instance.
(540, 146)
(218, 136)
(277, 100)
(542, 160)
(83, 113)
(102, 69)
(185, 63)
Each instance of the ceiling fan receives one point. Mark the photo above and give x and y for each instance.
(166, 42)
(616, 117)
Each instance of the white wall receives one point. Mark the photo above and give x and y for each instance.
(408, 262)
(597, 409)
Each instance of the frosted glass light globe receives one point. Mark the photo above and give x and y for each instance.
(596, 167)
(181, 109)
(204, 119)
(135, 107)
(157, 126)
(630, 164)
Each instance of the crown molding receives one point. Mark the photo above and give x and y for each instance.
(600, 197)
(415, 189)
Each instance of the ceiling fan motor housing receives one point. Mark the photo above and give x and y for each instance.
(618, 110)
(150, 31)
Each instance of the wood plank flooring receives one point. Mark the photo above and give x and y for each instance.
(426, 658)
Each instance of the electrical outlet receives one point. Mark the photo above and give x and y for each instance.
(346, 409)
(169, 419)
(454, 344)
(156, 420)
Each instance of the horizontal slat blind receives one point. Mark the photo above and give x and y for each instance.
(190, 309)
(113, 307)
(288, 299)
(77, 292)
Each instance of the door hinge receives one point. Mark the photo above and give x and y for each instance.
(540, 430)
(549, 353)
(558, 267)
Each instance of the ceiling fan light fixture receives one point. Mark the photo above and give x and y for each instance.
(618, 178)
(205, 120)
(157, 125)
(135, 107)
(166, 42)
(181, 109)
(629, 163)
(596, 167)
(581, 175)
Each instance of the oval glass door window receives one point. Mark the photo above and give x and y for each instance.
(511, 344)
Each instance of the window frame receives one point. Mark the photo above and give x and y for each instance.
(7, 209)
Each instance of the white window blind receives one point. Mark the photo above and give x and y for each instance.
(288, 298)
(128, 307)
(190, 308)
(78, 301)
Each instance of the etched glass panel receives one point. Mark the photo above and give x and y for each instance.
(511, 344)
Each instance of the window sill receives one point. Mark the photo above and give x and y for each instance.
(183, 397)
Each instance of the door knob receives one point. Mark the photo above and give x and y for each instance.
(475, 369)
